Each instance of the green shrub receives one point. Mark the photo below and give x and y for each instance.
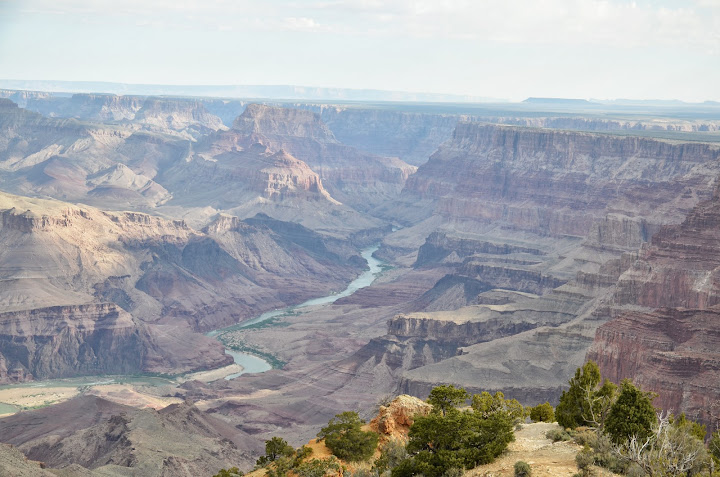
(714, 446)
(585, 402)
(275, 449)
(542, 413)
(365, 472)
(446, 397)
(392, 453)
(557, 435)
(584, 460)
(317, 467)
(345, 438)
(632, 414)
(522, 469)
(605, 456)
(487, 404)
(231, 472)
(453, 472)
(457, 439)
(585, 437)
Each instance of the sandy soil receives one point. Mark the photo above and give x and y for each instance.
(545, 458)
(128, 395)
(31, 397)
(212, 375)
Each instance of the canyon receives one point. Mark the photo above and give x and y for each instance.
(516, 243)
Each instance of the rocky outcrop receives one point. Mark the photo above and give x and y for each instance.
(14, 463)
(109, 166)
(439, 246)
(597, 124)
(69, 341)
(169, 114)
(664, 317)
(178, 115)
(394, 420)
(268, 120)
(253, 174)
(351, 176)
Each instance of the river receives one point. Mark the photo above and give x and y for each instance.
(255, 364)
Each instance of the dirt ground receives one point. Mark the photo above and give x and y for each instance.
(546, 459)
(33, 397)
(212, 375)
(129, 394)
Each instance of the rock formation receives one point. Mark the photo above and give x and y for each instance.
(664, 317)
(91, 292)
(559, 182)
(112, 439)
(512, 213)
(412, 137)
(355, 178)
(394, 420)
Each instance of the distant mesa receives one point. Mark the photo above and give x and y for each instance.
(568, 101)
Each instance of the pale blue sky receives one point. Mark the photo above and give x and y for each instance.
(493, 48)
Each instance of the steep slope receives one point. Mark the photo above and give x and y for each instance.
(112, 439)
(559, 182)
(88, 292)
(664, 317)
(515, 212)
(110, 166)
(250, 178)
(355, 178)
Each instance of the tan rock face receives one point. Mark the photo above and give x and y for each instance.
(88, 292)
(261, 119)
(351, 176)
(394, 420)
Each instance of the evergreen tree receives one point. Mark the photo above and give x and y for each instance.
(585, 403)
(345, 438)
(632, 414)
(448, 439)
(542, 413)
(275, 448)
(447, 397)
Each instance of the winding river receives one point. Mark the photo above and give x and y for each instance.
(255, 364)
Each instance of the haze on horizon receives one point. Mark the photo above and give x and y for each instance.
(506, 49)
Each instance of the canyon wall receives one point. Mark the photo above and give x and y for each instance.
(560, 182)
(91, 292)
(663, 317)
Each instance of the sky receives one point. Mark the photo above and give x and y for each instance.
(506, 49)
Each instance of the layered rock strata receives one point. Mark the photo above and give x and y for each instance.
(91, 292)
(559, 182)
(353, 177)
(664, 317)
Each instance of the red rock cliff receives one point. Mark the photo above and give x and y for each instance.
(665, 333)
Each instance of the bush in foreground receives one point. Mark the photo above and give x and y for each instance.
(522, 469)
(345, 438)
(542, 413)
